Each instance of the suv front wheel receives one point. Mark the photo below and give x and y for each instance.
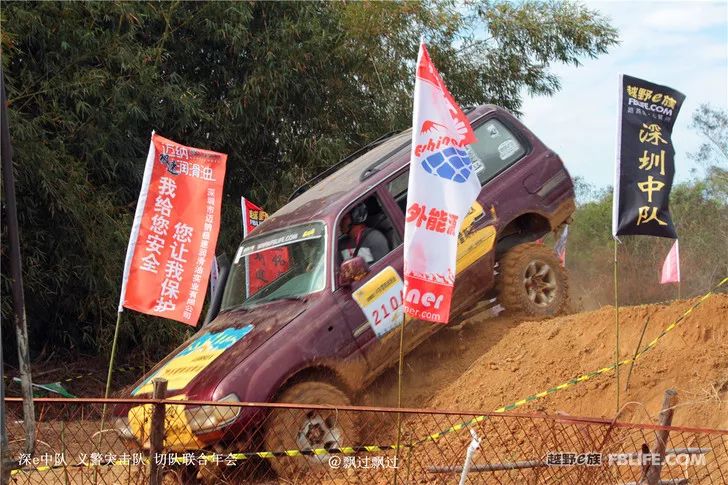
(309, 429)
(532, 281)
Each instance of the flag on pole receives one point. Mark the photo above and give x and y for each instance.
(442, 187)
(560, 247)
(265, 266)
(252, 216)
(645, 158)
(173, 237)
(671, 266)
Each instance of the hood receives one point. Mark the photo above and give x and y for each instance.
(196, 367)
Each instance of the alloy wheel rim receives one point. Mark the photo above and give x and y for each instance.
(319, 432)
(539, 281)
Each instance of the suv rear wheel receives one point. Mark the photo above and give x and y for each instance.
(302, 429)
(532, 281)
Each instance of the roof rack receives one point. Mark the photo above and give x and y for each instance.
(306, 185)
(371, 170)
(384, 161)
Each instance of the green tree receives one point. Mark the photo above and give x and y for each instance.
(712, 123)
(700, 216)
(284, 88)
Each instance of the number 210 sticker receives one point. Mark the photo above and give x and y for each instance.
(380, 299)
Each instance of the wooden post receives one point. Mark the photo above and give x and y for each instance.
(156, 433)
(652, 474)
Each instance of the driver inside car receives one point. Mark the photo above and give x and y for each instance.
(358, 239)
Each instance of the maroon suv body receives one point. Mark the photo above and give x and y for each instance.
(309, 328)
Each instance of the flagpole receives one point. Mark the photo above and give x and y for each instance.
(111, 369)
(108, 386)
(616, 321)
(399, 394)
(113, 356)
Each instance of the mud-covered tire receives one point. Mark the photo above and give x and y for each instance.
(532, 281)
(299, 429)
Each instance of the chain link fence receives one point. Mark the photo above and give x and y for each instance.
(171, 441)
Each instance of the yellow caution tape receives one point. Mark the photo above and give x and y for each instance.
(349, 450)
(582, 378)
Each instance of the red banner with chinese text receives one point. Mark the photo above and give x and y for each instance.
(265, 266)
(173, 238)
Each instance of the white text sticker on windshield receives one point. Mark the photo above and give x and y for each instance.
(380, 299)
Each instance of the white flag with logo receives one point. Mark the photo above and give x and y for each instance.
(442, 187)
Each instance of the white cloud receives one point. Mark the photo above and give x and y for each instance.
(702, 15)
(579, 122)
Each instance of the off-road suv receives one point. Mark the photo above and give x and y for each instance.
(302, 338)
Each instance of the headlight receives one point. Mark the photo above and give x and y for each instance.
(121, 424)
(203, 419)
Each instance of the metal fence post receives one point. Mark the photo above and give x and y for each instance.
(652, 474)
(156, 433)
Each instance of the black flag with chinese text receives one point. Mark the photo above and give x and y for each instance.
(645, 163)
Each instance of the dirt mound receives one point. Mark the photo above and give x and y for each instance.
(492, 362)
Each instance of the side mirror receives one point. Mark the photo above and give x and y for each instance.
(352, 270)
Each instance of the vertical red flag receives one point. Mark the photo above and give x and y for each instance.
(442, 187)
(265, 266)
(173, 238)
(252, 216)
(671, 266)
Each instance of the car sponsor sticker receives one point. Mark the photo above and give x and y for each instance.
(380, 299)
(193, 359)
(478, 165)
(507, 148)
(474, 243)
(277, 239)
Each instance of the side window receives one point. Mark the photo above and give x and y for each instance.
(366, 230)
(496, 149)
(398, 188)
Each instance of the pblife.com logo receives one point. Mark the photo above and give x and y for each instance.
(449, 163)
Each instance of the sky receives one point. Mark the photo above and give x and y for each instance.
(680, 44)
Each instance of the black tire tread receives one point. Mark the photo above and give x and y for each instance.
(510, 281)
(279, 432)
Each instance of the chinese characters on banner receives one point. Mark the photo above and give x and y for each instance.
(173, 238)
(442, 187)
(265, 266)
(645, 159)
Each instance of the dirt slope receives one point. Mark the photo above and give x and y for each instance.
(495, 361)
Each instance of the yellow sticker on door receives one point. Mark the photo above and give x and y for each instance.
(380, 299)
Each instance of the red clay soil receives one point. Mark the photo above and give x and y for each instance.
(492, 362)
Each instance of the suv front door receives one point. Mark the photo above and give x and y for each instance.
(471, 280)
(379, 353)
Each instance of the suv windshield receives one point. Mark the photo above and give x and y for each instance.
(281, 265)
